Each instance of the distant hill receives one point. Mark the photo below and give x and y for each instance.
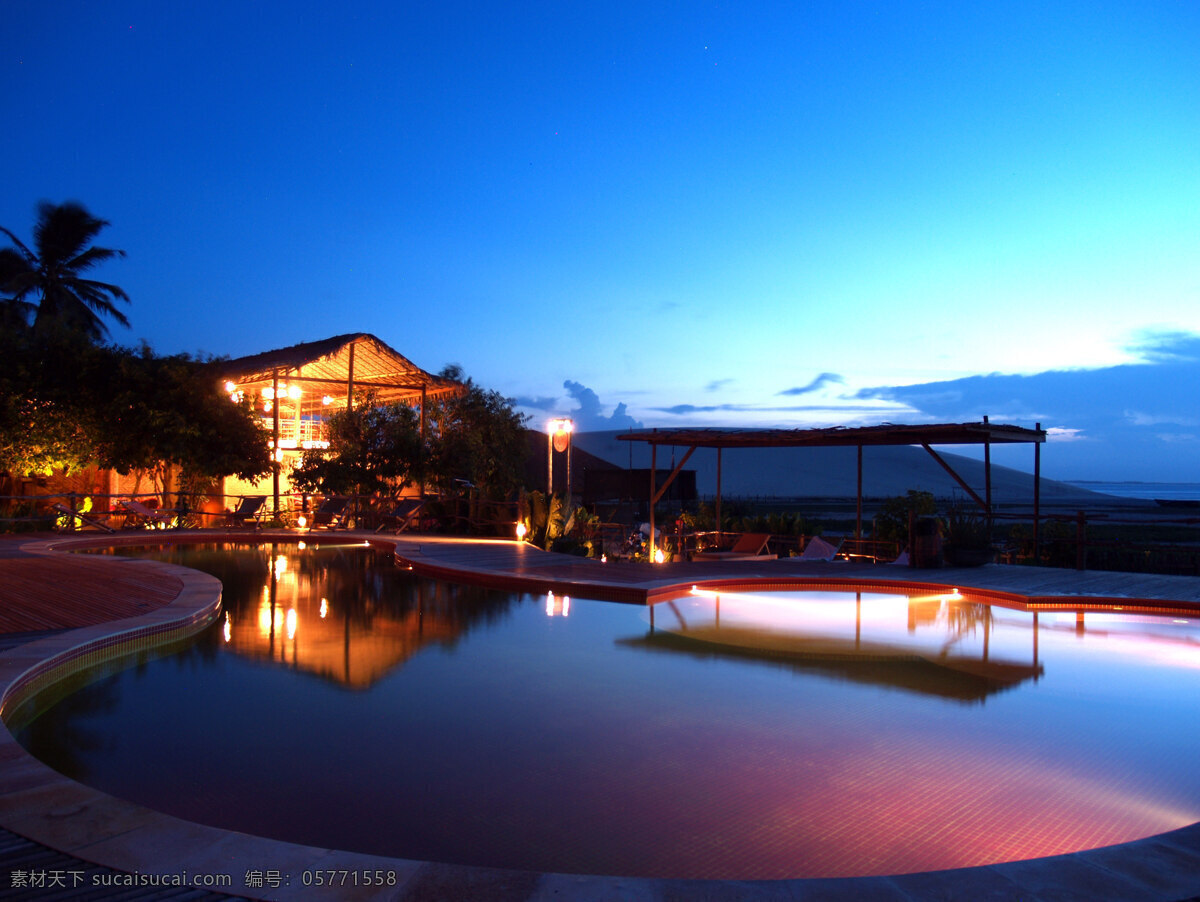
(832, 472)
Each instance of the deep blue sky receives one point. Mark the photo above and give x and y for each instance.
(704, 213)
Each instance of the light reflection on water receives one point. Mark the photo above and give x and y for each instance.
(345, 702)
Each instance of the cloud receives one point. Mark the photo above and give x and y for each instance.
(1116, 414)
(821, 381)
(1138, 418)
(718, 384)
(1161, 347)
(689, 409)
(1064, 434)
(544, 403)
(589, 416)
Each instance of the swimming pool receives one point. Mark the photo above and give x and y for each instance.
(347, 703)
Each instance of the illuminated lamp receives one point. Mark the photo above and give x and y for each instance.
(659, 557)
(521, 532)
(301, 522)
(268, 393)
(230, 387)
(294, 392)
(326, 400)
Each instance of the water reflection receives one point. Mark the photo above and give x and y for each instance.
(343, 613)
(931, 644)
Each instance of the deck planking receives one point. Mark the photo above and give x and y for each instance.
(40, 593)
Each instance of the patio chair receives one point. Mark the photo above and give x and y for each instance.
(82, 517)
(405, 512)
(149, 517)
(818, 549)
(333, 513)
(249, 508)
(750, 546)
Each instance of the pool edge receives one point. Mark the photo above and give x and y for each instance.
(51, 809)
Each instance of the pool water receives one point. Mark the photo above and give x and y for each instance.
(345, 702)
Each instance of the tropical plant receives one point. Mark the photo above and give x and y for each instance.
(373, 447)
(968, 541)
(891, 522)
(558, 524)
(52, 275)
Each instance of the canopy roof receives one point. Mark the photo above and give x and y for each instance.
(340, 365)
(926, 435)
(887, 434)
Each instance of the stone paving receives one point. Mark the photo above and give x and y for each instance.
(66, 818)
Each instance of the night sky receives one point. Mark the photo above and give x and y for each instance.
(699, 213)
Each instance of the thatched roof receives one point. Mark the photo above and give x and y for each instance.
(337, 365)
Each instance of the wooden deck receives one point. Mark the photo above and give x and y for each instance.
(40, 593)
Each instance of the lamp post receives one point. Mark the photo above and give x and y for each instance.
(558, 438)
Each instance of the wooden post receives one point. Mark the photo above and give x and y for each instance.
(653, 475)
(275, 442)
(720, 531)
(424, 398)
(1081, 541)
(1037, 495)
(350, 379)
(987, 480)
(858, 508)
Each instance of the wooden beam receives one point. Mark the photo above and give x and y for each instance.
(667, 483)
(966, 488)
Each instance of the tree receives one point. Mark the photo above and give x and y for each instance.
(52, 274)
(159, 413)
(372, 448)
(476, 436)
(66, 403)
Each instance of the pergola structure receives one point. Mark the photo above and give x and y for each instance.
(296, 388)
(927, 435)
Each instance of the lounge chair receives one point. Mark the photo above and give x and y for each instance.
(82, 517)
(150, 517)
(332, 514)
(249, 508)
(751, 546)
(818, 549)
(405, 512)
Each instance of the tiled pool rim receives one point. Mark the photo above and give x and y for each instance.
(70, 817)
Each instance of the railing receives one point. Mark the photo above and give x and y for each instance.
(1067, 541)
(298, 435)
(1083, 540)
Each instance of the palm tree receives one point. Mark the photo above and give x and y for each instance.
(53, 275)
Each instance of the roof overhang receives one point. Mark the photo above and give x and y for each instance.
(339, 365)
(981, 433)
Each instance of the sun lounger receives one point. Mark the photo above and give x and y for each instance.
(751, 546)
(150, 517)
(332, 514)
(404, 513)
(249, 508)
(818, 549)
(82, 518)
